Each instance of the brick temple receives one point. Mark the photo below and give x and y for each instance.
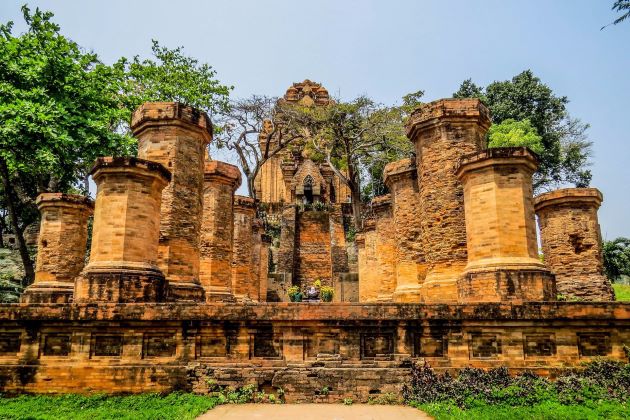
(184, 285)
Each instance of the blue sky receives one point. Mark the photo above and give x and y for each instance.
(387, 49)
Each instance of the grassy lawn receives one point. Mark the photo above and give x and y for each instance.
(622, 291)
(145, 406)
(546, 410)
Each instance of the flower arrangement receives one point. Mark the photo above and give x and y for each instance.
(327, 293)
(295, 295)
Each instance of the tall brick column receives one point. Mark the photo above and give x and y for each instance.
(572, 243)
(368, 266)
(217, 230)
(244, 283)
(443, 132)
(260, 262)
(385, 247)
(123, 258)
(176, 136)
(503, 263)
(61, 247)
(401, 179)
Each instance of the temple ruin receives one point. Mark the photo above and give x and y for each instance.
(185, 284)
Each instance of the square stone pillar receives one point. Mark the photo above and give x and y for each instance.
(176, 136)
(368, 265)
(263, 271)
(123, 258)
(572, 242)
(503, 263)
(385, 247)
(443, 132)
(401, 179)
(61, 247)
(244, 283)
(217, 230)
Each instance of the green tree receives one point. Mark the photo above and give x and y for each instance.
(565, 153)
(623, 7)
(512, 133)
(617, 258)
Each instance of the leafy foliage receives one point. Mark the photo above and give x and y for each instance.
(512, 133)
(565, 153)
(617, 258)
(623, 7)
(599, 380)
(622, 292)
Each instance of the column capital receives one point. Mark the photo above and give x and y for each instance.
(157, 114)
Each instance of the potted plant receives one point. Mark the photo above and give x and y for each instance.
(295, 295)
(327, 293)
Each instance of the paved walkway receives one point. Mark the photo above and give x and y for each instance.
(313, 412)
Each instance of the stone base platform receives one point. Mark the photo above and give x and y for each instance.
(355, 350)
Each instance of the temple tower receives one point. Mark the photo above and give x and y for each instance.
(401, 179)
(217, 230)
(443, 132)
(123, 258)
(572, 243)
(176, 136)
(503, 263)
(61, 247)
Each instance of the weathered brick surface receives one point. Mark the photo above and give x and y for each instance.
(443, 132)
(123, 258)
(401, 179)
(217, 230)
(314, 254)
(368, 266)
(571, 242)
(176, 136)
(244, 275)
(61, 247)
(503, 259)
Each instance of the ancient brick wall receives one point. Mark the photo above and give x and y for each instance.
(244, 274)
(339, 254)
(385, 247)
(571, 242)
(176, 136)
(61, 247)
(217, 230)
(443, 132)
(355, 350)
(368, 265)
(286, 252)
(314, 253)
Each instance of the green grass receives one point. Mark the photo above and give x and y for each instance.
(622, 291)
(136, 407)
(545, 410)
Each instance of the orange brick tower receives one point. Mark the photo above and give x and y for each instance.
(503, 263)
(61, 247)
(217, 230)
(176, 136)
(244, 282)
(443, 132)
(401, 179)
(572, 243)
(123, 258)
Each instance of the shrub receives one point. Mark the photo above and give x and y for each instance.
(295, 295)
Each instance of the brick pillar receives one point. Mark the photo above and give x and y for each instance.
(61, 247)
(400, 178)
(123, 258)
(503, 263)
(286, 251)
(176, 136)
(217, 230)
(443, 132)
(244, 284)
(368, 266)
(572, 243)
(385, 247)
(263, 271)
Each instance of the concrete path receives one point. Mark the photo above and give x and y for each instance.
(313, 412)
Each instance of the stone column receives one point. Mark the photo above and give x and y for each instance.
(368, 268)
(385, 247)
(123, 258)
(244, 285)
(443, 132)
(263, 277)
(217, 230)
(61, 247)
(503, 263)
(176, 136)
(572, 243)
(401, 179)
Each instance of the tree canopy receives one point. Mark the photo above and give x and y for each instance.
(565, 152)
(617, 258)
